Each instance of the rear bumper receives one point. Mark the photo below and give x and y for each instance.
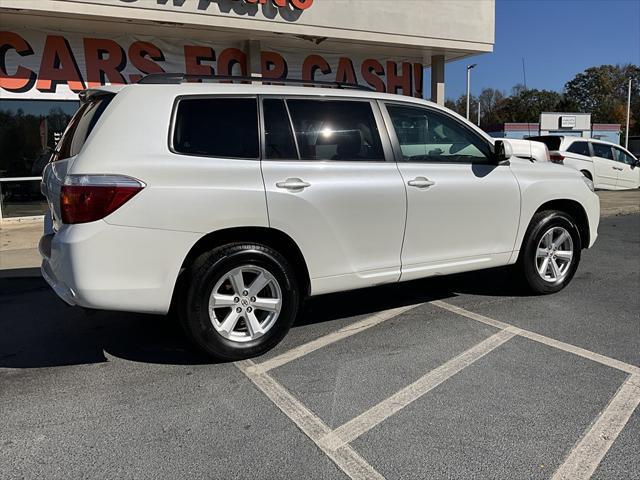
(102, 266)
(593, 216)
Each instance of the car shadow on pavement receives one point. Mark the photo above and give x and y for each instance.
(39, 330)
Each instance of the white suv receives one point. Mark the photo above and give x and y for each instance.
(233, 202)
(608, 165)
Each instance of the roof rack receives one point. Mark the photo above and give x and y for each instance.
(178, 78)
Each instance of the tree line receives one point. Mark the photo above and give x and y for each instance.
(601, 91)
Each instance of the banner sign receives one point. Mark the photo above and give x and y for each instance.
(35, 64)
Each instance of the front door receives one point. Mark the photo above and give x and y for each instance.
(334, 188)
(628, 170)
(463, 209)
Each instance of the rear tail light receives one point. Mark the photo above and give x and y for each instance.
(87, 198)
(556, 158)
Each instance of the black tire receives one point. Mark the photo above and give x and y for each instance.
(202, 276)
(540, 224)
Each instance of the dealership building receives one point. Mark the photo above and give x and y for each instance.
(52, 49)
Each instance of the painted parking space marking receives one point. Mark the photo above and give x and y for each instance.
(364, 422)
(536, 337)
(587, 454)
(311, 425)
(580, 463)
(330, 338)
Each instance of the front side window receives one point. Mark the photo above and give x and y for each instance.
(623, 157)
(603, 151)
(217, 127)
(581, 148)
(335, 130)
(428, 136)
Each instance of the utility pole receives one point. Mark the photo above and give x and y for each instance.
(478, 111)
(626, 140)
(469, 67)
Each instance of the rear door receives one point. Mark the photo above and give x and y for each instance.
(332, 185)
(605, 167)
(629, 173)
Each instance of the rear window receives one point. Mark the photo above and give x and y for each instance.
(217, 127)
(335, 130)
(552, 143)
(81, 126)
(581, 148)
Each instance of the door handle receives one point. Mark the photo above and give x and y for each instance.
(421, 182)
(293, 184)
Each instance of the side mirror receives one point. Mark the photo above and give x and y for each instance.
(503, 151)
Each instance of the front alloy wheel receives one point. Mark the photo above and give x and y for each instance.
(554, 254)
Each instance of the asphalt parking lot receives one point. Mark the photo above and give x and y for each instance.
(453, 377)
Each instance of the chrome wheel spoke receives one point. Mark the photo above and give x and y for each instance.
(220, 300)
(555, 269)
(237, 282)
(267, 304)
(564, 254)
(547, 240)
(258, 284)
(230, 321)
(543, 268)
(542, 253)
(561, 239)
(253, 324)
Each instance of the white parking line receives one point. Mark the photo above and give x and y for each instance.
(333, 337)
(536, 337)
(587, 454)
(380, 412)
(345, 457)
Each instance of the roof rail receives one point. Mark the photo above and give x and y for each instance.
(178, 78)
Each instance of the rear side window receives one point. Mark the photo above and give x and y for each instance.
(335, 130)
(81, 126)
(217, 127)
(279, 142)
(552, 143)
(581, 148)
(601, 150)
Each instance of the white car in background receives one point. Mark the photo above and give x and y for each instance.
(608, 165)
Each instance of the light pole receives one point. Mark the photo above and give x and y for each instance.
(626, 140)
(469, 67)
(478, 111)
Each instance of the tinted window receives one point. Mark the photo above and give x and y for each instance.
(279, 142)
(621, 156)
(581, 148)
(81, 126)
(335, 130)
(217, 127)
(552, 142)
(602, 150)
(428, 136)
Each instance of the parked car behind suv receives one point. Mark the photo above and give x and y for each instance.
(233, 202)
(610, 166)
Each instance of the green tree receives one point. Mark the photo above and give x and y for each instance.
(602, 91)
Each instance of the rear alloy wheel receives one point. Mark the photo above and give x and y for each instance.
(245, 303)
(240, 300)
(550, 252)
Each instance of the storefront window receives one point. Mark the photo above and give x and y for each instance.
(29, 131)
